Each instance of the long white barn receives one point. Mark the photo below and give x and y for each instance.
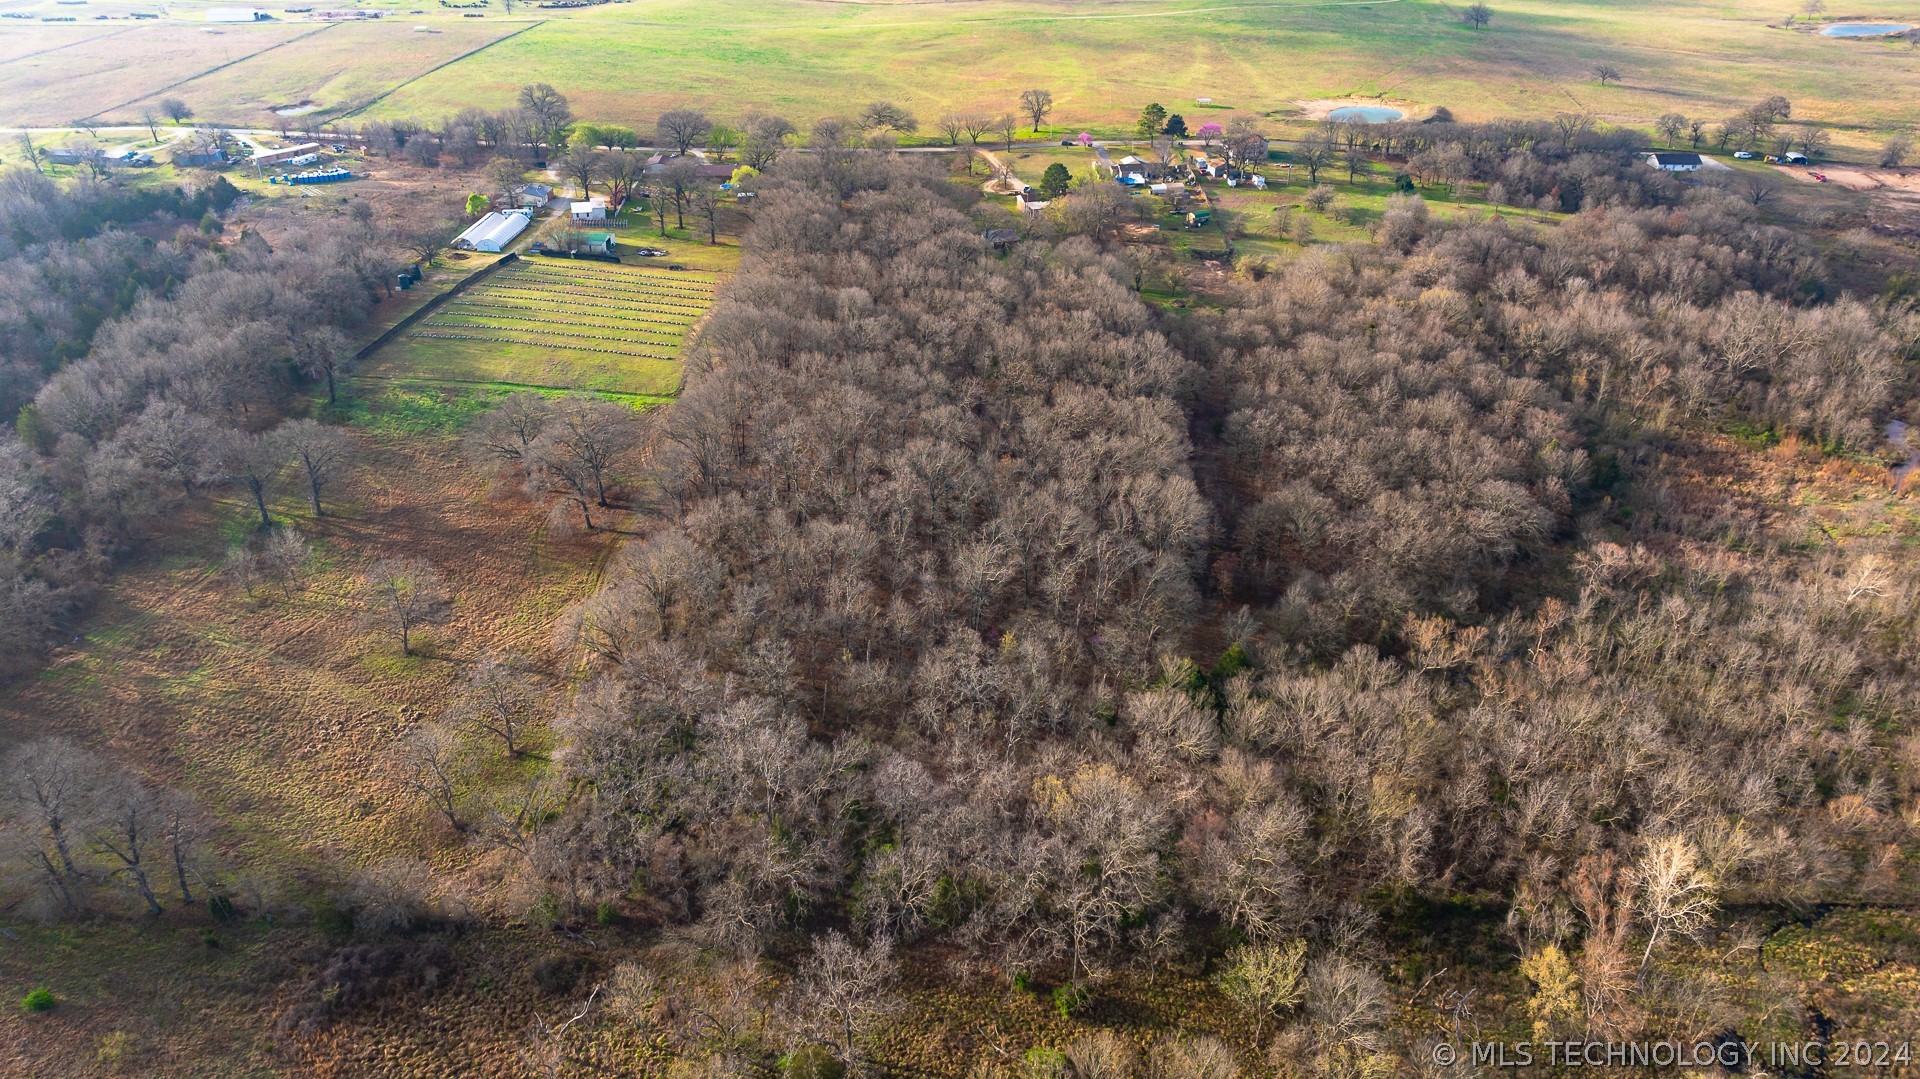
(495, 231)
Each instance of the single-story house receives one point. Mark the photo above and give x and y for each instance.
(1000, 239)
(1146, 170)
(67, 155)
(601, 242)
(494, 232)
(199, 159)
(1674, 162)
(590, 210)
(533, 196)
(275, 157)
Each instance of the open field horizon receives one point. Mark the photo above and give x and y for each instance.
(626, 63)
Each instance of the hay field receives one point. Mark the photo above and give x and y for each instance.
(106, 72)
(340, 68)
(556, 325)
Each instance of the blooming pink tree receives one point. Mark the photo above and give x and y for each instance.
(1210, 131)
(1085, 139)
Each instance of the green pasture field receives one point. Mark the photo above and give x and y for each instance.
(1102, 59)
(549, 324)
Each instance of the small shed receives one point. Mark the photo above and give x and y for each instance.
(590, 210)
(599, 242)
(1000, 239)
(1794, 157)
(494, 232)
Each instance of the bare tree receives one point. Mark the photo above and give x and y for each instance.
(150, 116)
(404, 594)
(256, 463)
(505, 177)
(1606, 73)
(175, 109)
(507, 433)
(49, 785)
(323, 353)
(1894, 152)
(581, 448)
(679, 179)
(1571, 125)
(322, 454)
(1009, 125)
(1670, 125)
(887, 116)
(680, 129)
(622, 171)
(430, 764)
(1266, 980)
(952, 125)
(1036, 104)
(547, 113)
(170, 439)
(978, 126)
(583, 164)
(126, 824)
(706, 207)
(500, 700)
(1478, 16)
(1672, 893)
(30, 151)
(844, 987)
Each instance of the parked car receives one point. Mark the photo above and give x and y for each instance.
(1743, 155)
(649, 252)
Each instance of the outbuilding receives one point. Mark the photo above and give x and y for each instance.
(1674, 162)
(290, 155)
(590, 210)
(494, 232)
(1794, 157)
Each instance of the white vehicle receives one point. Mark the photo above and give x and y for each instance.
(1743, 155)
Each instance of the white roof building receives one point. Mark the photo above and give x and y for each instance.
(495, 231)
(590, 210)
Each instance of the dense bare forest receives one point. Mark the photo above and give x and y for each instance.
(982, 620)
(986, 607)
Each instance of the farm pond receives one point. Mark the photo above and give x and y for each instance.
(1364, 114)
(1864, 29)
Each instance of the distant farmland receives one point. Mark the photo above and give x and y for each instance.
(552, 324)
(1103, 59)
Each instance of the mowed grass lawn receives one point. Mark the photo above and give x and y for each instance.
(556, 325)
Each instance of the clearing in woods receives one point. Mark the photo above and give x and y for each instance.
(556, 324)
